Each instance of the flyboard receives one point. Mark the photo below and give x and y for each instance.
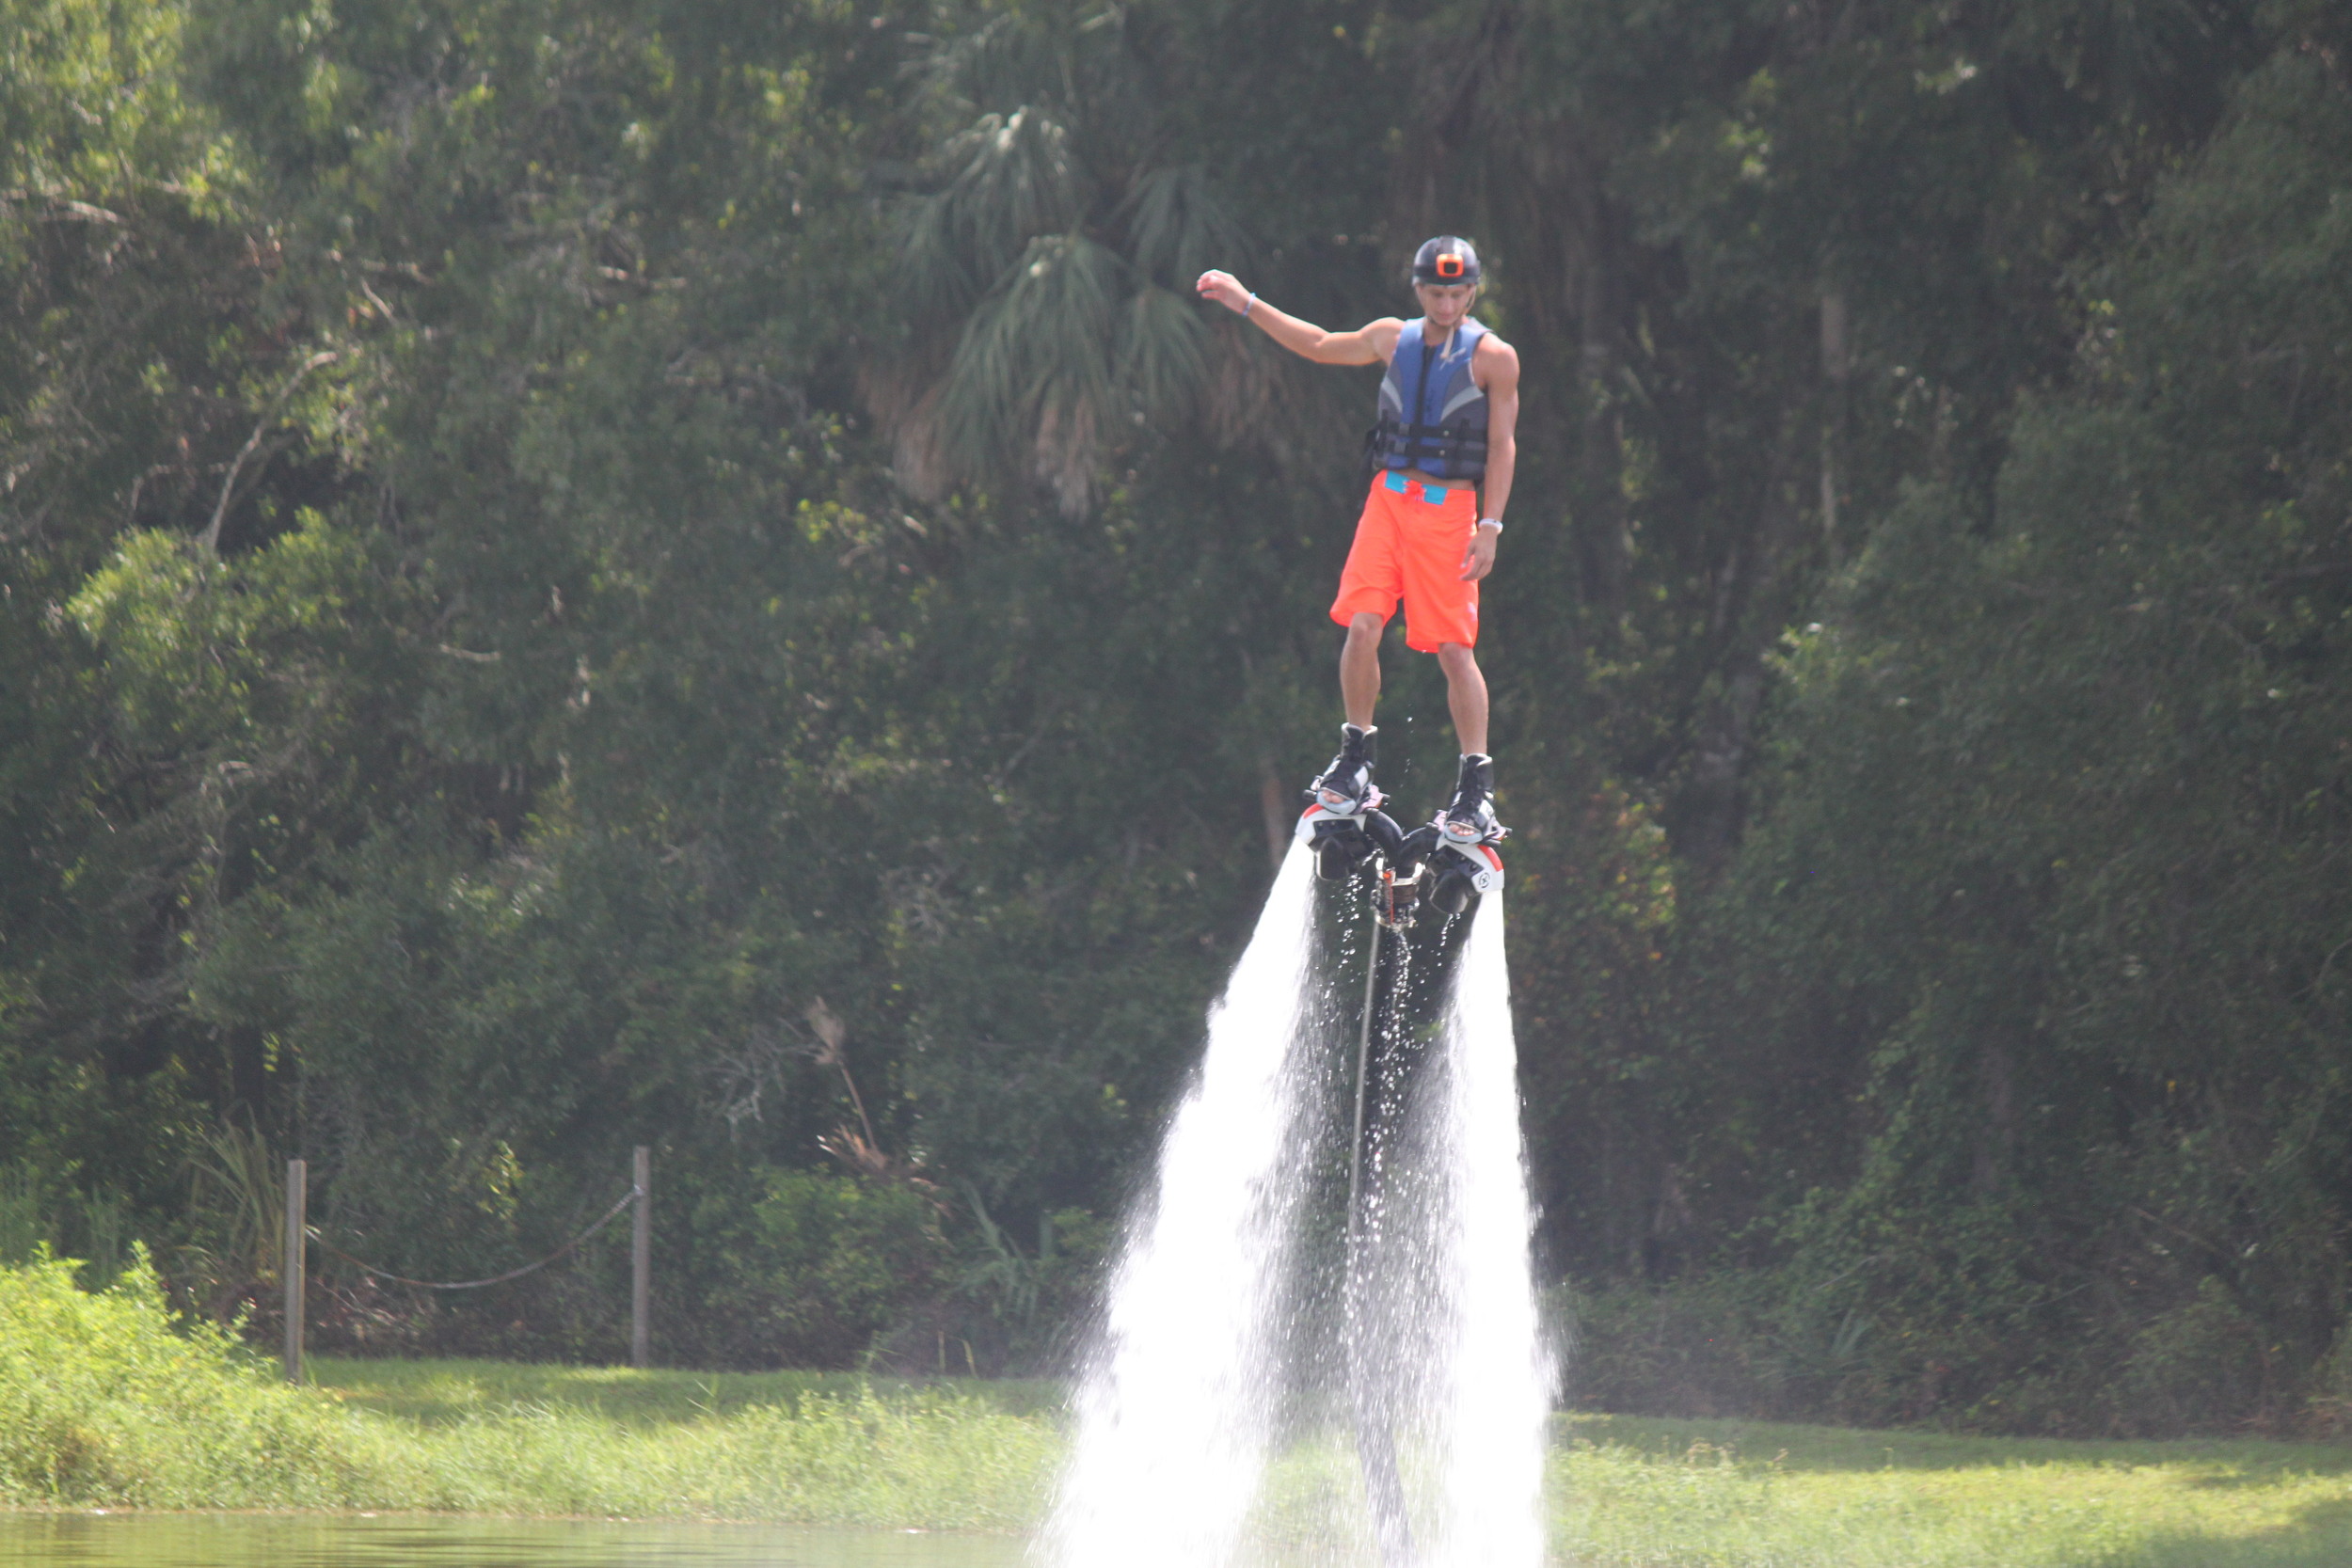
(1440, 869)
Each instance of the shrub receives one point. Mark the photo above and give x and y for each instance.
(103, 1401)
(817, 1266)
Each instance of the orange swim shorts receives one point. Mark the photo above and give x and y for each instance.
(1409, 545)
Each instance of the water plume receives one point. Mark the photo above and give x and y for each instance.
(1176, 1401)
(1486, 1399)
(1242, 1317)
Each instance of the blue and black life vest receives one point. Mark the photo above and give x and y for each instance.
(1433, 416)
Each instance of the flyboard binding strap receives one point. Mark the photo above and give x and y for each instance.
(1426, 865)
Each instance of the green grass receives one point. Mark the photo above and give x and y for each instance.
(103, 1405)
(1743, 1495)
(438, 1392)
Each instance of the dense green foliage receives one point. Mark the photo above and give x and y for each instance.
(588, 572)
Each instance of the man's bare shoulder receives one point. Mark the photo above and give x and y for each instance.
(1380, 336)
(1491, 346)
(1494, 359)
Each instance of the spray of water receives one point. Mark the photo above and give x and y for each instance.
(1442, 1387)
(1490, 1383)
(1175, 1403)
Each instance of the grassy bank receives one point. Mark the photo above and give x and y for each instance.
(102, 1405)
(1732, 1495)
(435, 1393)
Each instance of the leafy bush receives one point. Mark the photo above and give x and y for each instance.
(817, 1266)
(1697, 1347)
(101, 1402)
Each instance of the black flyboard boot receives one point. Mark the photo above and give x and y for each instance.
(1470, 819)
(1344, 788)
(1461, 841)
(1344, 822)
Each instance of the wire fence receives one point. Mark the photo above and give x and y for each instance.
(301, 1235)
(379, 1271)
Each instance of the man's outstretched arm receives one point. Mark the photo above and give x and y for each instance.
(1367, 345)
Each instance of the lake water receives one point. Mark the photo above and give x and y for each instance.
(424, 1541)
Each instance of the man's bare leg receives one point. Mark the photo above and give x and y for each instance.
(1471, 816)
(1359, 672)
(1346, 787)
(1465, 692)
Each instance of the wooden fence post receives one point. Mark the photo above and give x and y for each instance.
(295, 1265)
(641, 1264)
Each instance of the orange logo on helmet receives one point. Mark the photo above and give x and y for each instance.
(1450, 266)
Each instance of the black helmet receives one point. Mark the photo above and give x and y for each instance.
(1446, 260)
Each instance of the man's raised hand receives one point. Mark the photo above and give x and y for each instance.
(1224, 288)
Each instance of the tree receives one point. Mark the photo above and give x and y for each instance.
(2059, 842)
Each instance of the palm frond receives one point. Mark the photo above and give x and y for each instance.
(1038, 356)
(1178, 227)
(1163, 354)
(935, 275)
(1011, 58)
(1074, 57)
(1014, 180)
(1054, 324)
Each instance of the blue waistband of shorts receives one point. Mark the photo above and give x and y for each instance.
(1433, 495)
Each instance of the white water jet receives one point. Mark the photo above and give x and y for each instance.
(1450, 1390)
(1175, 1403)
(1490, 1387)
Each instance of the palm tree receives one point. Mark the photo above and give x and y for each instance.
(1048, 265)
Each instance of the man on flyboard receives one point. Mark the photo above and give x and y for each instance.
(1449, 405)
